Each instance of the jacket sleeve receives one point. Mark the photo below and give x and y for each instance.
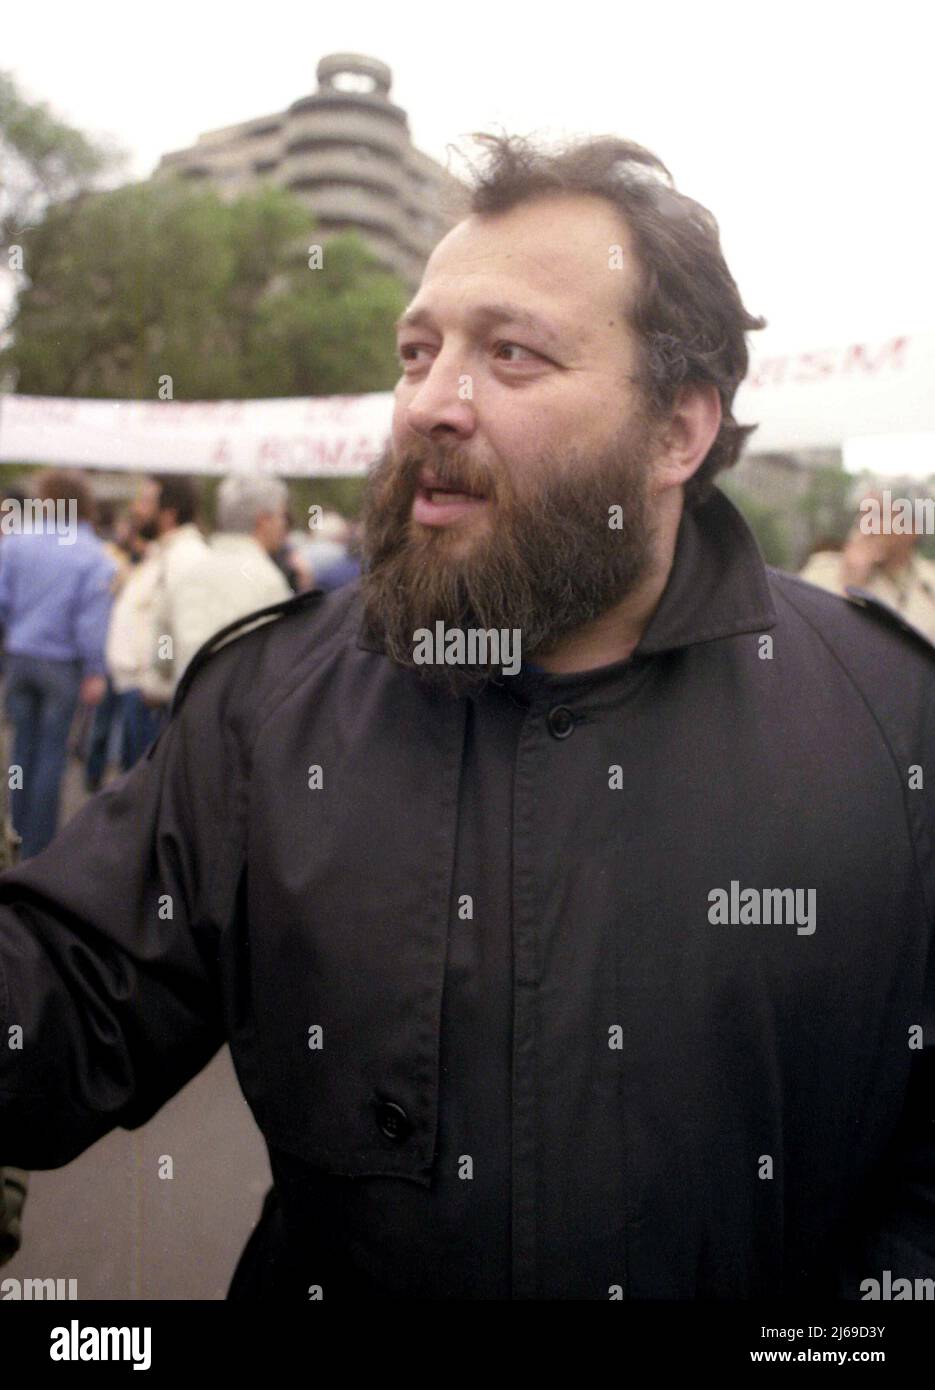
(893, 1235)
(5, 584)
(157, 674)
(13, 1186)
(92, 613)
(201, 603)
(109, 979)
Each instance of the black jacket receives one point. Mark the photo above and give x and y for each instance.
(468, 957)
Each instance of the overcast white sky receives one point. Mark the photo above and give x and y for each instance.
(805, 127)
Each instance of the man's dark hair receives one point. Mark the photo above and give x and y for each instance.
(65, 485)
(106, 517)
(179, 494)
(687, 312)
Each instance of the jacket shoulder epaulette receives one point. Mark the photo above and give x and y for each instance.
(261, 617)
(882, 612)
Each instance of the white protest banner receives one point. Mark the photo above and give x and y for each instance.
(822, 398)
(318, 436)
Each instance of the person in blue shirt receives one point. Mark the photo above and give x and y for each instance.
(55, 600)
(344, 570)
(336, 574)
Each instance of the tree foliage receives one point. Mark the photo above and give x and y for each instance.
(768, 524)
(42, 160)
(162, 279)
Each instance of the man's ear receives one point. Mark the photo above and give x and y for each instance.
(688, 434)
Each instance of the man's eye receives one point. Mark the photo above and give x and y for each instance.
(517, 347)
(407, 352)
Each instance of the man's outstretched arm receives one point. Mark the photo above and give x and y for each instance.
(109, 993)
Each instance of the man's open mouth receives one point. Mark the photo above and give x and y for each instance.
(450, 494)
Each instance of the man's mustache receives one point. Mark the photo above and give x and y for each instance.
(448, 470)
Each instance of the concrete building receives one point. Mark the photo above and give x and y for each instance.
(345, 150)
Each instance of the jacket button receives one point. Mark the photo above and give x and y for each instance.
(561, 721)
(393, 1120)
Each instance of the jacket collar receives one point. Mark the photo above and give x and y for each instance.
(718, 585)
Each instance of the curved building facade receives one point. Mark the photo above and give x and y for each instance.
(346, 151)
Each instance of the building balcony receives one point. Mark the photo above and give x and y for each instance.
(340, 165)
(345, 203)
(347, 125)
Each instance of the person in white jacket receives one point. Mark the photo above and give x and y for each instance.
(150, 608)
(206, 586)
(180, 617)
(186, 589)
(128, 655)
(252, 524)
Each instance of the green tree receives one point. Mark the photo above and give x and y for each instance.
(827, 504)
(42, 160)
(324, 326)
(768, 524)
(160, 280)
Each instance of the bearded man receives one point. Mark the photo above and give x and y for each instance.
(607, 977)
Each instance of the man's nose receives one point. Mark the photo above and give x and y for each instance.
(443, 400)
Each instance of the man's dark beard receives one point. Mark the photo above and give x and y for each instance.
(548, 564)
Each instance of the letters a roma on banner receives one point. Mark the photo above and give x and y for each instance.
(320, 436)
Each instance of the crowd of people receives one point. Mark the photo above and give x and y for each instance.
(109, 618)
(108, 622)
